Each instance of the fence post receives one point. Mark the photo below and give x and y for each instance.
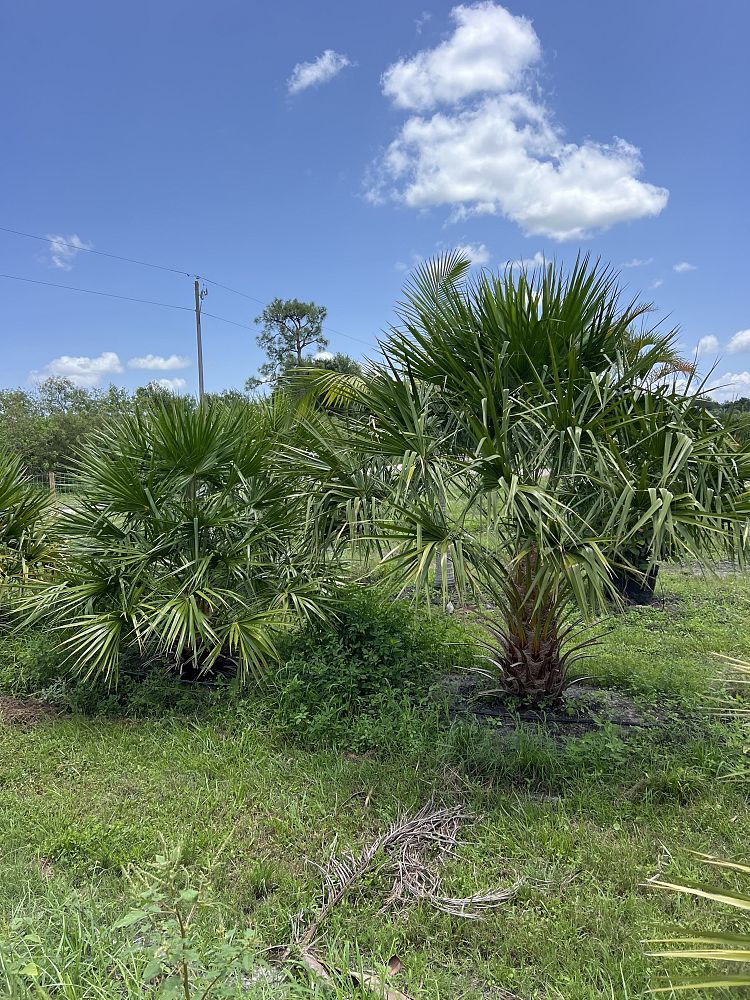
(52, 482)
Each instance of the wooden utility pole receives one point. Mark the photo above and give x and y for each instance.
(199, 296)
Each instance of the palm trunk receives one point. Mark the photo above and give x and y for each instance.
(531, 649)
(450, 579)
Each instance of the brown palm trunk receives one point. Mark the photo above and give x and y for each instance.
(531, 654)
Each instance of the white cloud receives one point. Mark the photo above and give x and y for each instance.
(706, 345)
(683, 267)
(477, 253)
(421, 21)
(488, 52)
(172, 384)
(497, 150)
(740, 341)
(155, 362)
(730, 385)
(527, 263)
(657, 282)
(416, 260)
(320, 70)
(84, 372)
(638, 262)
(323, 356)
(65, 249)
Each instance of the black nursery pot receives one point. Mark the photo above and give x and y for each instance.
(636, 589)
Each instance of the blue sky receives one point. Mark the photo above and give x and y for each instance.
(318, 150)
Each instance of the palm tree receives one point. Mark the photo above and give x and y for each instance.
(24, 509)
(561, 456)
(187, 542)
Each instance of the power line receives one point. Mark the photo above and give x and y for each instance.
(101, 253)
(253, 298)
(127, 298)
(94, 291)
(158, 267)
(232, 322)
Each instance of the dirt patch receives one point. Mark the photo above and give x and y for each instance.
(722, 568)
(583, 709)
(24, 712)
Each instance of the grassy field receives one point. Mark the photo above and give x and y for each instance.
(582, 822)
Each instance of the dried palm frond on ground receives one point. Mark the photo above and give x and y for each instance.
(409, 855)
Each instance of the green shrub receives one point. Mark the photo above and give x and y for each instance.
(30, 663)
(373, 663)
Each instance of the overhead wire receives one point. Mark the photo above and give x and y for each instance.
(56, 241)
(84, 249)
(94, 291)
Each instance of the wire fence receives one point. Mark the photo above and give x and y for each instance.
(55, 482)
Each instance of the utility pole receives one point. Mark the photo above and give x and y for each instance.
(199, 296)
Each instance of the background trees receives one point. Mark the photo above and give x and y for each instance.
(44, 427)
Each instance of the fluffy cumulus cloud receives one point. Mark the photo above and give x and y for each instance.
(740, 341)
(683, 267)
(730, 385)
(707, 345)
(172, 384)
(82, 371)
(489, 52)
(490, 146)
(65, 249)
(320, 70)
(157, 363)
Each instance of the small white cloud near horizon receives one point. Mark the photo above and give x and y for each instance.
(65, 249)
(730, 385)
(527, 263)
(320, 70)
(706, 345)
(740, 341)
(416, 260)
(481, 141)
(323, 356)
(477, 253)
(172, 384)
(683, 267)
(638, 262)
(83, 372)
(157, 363)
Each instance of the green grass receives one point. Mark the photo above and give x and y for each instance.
(582, 822)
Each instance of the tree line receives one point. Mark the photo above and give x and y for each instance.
(44, 426)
